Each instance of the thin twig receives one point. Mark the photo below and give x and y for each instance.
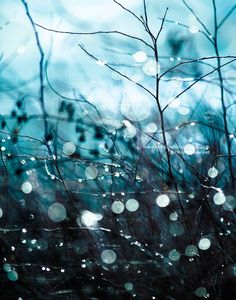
(196, 81)
(94, 33)
(226, 16)
(118, 72)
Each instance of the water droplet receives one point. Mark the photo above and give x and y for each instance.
(12, 275)
(176, 228)
(193, 29)
(219, 198)
(230, 203)
(204, 244)
(174, 216)
(7, 267)
(132, 205)
(140, 56)
(26, 187)
(90, 219)
(57, 212)
(117, 207)
(163, 200)
(201, 292)
(151, 68)
(129, 286)
(183, 110)
(91, 172)
(174, 255)
(212, 172)
(151, 128)
(130, 131)
(108, 256)
(191, 251)
(69, 148)
(189, 149)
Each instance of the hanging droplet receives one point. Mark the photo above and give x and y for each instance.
(26, 187)
(162, 200)
(204, 244)
(108, 256)
(69, 148)
(117, 207)
(132, 205)
(139, 56)
(57, 212)
(219, 198)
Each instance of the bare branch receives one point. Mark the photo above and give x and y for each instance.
(41, 64)
(195, 60)
(95, 33)
(226, 16)
(196, 81)
(209, 37)
(162, 23)
(118, 72)
(129, 11)
(192, 11)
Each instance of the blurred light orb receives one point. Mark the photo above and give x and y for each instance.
(89, 218)
(108, 256)
(220, 167)
(174, 103)
(12, 275)
(21, 49)
(134, 112)
(42, 244)
(80, 246)
(117, 207)
(91, 172)
(151, 68)
(230, 203)
(139, 56)
(201, 292)
(189, 149)
(69, 148)
(132, 205)
(162, 200)
(193, 29)
(26, 187)
(135, 105)
(174, 216)
(219, 198)
(151, 128)
(7, 267)
(130, 131)
(176, 228)
(191, 251)
(183, 110)
(136, 77)
(204, 244)
(212, 172)
(57, 212)
(230, 77)
(1, 212)
(128, 286)
(174, 255)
